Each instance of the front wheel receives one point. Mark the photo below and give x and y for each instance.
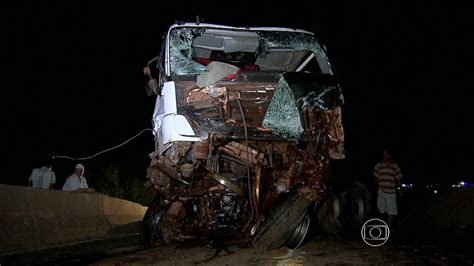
(286, 223)
(152, 224)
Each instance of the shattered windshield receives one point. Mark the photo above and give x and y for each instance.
(191, 49)
(282, 116)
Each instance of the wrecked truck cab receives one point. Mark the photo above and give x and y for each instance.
(246, 121)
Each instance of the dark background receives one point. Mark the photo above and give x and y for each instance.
(73, 82)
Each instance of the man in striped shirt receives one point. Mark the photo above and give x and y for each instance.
(387, 174)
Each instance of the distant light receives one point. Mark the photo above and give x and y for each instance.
(435, 191)
(461, 184)
(404, 185)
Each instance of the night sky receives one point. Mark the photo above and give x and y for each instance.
(73, 80)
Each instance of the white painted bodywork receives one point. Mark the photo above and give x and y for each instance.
(168, 125)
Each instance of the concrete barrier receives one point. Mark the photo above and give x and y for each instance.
(37, 218)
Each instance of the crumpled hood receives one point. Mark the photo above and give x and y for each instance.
(271, 103)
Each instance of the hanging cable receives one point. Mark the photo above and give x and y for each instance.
(249, 183)
(115, 147)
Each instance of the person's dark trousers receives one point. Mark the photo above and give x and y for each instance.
(393, 223)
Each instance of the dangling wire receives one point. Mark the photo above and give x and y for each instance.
(249, 183)
(115, 147)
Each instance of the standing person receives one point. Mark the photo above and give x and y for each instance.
(387, 174)
(43, 177)
(77, 182)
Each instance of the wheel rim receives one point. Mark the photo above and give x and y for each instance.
(299, 234)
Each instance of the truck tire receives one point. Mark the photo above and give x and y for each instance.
(331, 213)
(281, 224)
(152, 223)
(359, 202)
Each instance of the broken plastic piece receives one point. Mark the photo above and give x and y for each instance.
(216, 71)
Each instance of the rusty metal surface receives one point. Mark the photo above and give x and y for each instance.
(267, 135)
(221, 194)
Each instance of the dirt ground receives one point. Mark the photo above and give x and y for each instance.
(424, 238)
(317, 251)
(438, 231)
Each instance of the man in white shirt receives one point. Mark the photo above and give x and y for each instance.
(42, 177)
(77, 182)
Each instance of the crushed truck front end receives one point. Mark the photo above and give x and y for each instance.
(246, 122)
